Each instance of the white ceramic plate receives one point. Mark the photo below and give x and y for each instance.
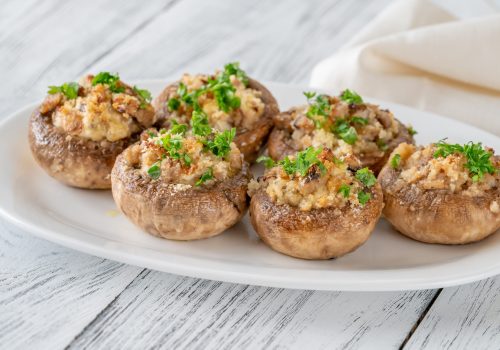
(87, 221)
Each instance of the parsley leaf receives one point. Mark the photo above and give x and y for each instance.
(346, 132)
(382, 145)
(221, 144)
(234, 69)
(70, 90)
(359, 120)
(106, 78)
(345, 190)
(366, 177)
(268, 161)
(411, 131)
(364, 197)
(173, 104)
(207, 175)
(177, 128)
(319, 105)
(199, 123)
(395, 161)
(478, 159)
(224, 93)
(302, 162)
(144, 97)
(155, 171)
(351, 97)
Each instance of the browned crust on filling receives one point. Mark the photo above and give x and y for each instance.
(438, 216)
(175, 211)
(73, 160)
(316, 234)
(280, 143)
(248, 141)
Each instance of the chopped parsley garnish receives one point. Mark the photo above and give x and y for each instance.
(366, 177)
(478, 159)
(234, 69)
(70, 90)
(345, 131)
(207, 175)
(155, 171)
(144, 97)
(302, 161)
(345, 190)
(359, 120)
(173, 104)
(224, 93)
(177, 128)
(151, 133)
(395, 161)
(173, 144)
(351, 97)
(319, 105)
(219, 85)
(382, 145)
(221, 144)
(412, 131)
(199, 123)
(364, 197)
(268, 161)
(113, 81)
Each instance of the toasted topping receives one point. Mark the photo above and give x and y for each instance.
(345, 121)
(99, 108)
(224, 99)
(469, 169)
(178, 156)
(315, 179)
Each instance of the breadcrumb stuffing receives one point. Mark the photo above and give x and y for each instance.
(418, 166)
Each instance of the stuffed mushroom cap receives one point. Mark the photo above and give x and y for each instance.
(442, 193)
(80, 128)
(346, 122)
(321, 211)
(226, 99)
(182, 187)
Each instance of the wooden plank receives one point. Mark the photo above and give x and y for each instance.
(464, 317)
(48, 293)
(278, 40)
(46, 42)
(162, 310)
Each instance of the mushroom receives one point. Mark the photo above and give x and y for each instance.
(432, 194)
(326, 212)
(78, 131)
(253, 116)
(166, 190)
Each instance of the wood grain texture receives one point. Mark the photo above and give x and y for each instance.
(46, 42)
(48, 294)
(172, 312)
(464, 317)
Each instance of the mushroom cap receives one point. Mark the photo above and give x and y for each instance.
(179, 212)
(73, 160)
(438, 216)
(316, 234)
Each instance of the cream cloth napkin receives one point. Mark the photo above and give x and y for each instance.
(419, 54)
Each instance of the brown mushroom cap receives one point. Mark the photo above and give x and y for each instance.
(438, 216)
(249, 142)
(168, 211)
(316, 234)
(73, 160)
(279, 145)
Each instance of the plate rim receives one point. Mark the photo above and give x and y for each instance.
(280, 281)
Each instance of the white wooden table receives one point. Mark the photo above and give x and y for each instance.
(52, 297)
